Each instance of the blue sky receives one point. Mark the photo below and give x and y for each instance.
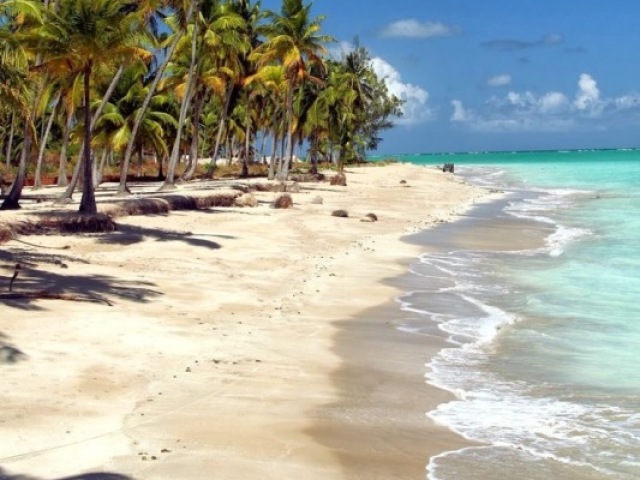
(500, 74)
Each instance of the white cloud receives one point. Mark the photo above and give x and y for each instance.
(415, 108)
(628, 102)
(588, 96)
(411, 28)
(499, 80)
(553, 103)
(460, 114)
(550, 111)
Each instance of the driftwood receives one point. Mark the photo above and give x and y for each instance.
(47, 295)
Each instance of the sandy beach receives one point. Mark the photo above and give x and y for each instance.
(239, 343)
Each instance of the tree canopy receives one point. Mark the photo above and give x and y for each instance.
(180, 80)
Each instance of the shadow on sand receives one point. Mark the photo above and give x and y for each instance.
(9, 354)
(4, 475)
(86, 287)
(132, 234)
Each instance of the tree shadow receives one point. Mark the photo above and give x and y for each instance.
(4, 475)
(132, 234)
(25, 256)
(86, 287)
(9, 353)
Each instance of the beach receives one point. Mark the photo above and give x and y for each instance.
(238, 343)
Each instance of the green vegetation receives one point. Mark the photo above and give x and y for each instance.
(87, 86)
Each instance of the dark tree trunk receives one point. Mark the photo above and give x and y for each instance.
(12, 202)
(88, 200)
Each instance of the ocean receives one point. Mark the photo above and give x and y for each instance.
(543, 355)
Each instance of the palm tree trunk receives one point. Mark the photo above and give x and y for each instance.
(88, 200)
(283, 141)
(195, 135)
(12, 201)
(62, 169)
(272, 160)
(263, 142)
(140, 156)
(169, 182)
(97, 174)
(247, 142)
(66, 196)
(10, 141)
(160, 164)
(314, 153)
(37, 181)
(223, 119)
(284, 173)
(124, 167)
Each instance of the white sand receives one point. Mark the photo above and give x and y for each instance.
(219, 349)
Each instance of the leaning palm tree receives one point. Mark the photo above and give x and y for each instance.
(81, 37)
(183, 11)
(113, 127)
(294, 41)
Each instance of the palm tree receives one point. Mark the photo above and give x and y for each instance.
(225, 43)
(113, 127)
(183, 11)
(17, 90)
(274, 86)
(84, 36)
(293, 40)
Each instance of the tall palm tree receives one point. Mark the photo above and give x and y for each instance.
(183, 11)
(225, 43)
(84, 36)
(295, 42)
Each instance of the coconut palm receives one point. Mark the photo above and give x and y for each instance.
(84, 36)
(183, 11)
(113, 127)
(294, 41)
(226, 43)
(271, 81)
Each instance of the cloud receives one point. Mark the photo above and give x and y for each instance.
(499, 80)
(588, 97)
(550, 111)
(412, 28)
(415, 108)
(461, 114)
(513, 45)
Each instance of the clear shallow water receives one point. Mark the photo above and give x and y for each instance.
(545, 344)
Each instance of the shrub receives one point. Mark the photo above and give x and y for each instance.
(340, 213)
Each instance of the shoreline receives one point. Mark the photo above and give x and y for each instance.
(233, 379)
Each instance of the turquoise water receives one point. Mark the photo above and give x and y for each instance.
(546, 368)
